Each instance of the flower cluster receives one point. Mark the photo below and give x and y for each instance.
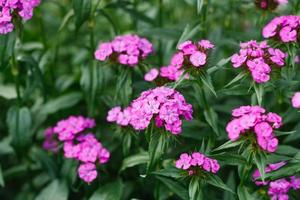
(78, 145)
(189, 54)
(284, 28)
(248, 119)
(126, 50)
(50, 143)
(8, 8)
(258, 58)
(296, 100)
(197, 161)
(278, 189)
(269, 4)
(165, 105)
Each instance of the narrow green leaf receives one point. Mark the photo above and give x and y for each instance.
(214, 180)
(19, 125)
(82, 11)
(188, 33)
(113, 191)
(55, 190)
(1, 178)
(195, 189)
(230, 159)
(175, 187)
(169, 172)
(156, 148)
(219, 65)
(260, 161)
(259, 91)
(244, 194)
(199, 6)
(212, 119)
(236, 79)
(66, 19)
(228, 145)
(206, 80)
(134, 160)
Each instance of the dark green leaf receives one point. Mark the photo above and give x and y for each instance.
(214, 180)
(157, 147)
(134, 160)
(82, 11)
(175, 187)
(113, 191)
(55, 190)
(169, 172)
(1, 178)
(244, 194)
(229, 144)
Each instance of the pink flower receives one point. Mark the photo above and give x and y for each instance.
(184, 161)
(151, 75)
(87, 172)
(238, 60)
(198, 58)
(177, 60)
(234, 129)
(287, 34)
(296, 100)
(263, 129)
(113, 114)
(206, 44)
(103, 155)
(197, 159)
(128, 49)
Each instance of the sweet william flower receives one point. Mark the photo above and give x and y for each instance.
(151, 75)
(191, 163)
(254, 120)
(87, 172)
(296, 100)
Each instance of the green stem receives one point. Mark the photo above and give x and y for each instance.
(160, 25)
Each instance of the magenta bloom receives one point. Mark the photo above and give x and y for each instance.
(22, 8)
(296, 100)
(165, 105)
(189, 54)
(197, 161)
(253, 119)
(258, 58)
(285, 28)
(78, 145)
(87, 172)
(126, 50)
(151, 75)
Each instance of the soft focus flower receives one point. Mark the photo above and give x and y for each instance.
(296, 100)
(151, 75)
(258, 58)
(269, 4)
(196, 161)
(253, 119)
(79, 145)
(87, 172)
(189, 55)
(165, 105)
(9, 8)
(285, 28)
(126, 49)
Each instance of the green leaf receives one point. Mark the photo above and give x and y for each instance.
(19, 126)
(218, 66)
(113, 191)
(260, 161)
(65, 20)
(46, 162)
(123, 87)
(206, 80)
(7, 43)
(175, 187)
(230, 159)
(55, 105)
(212, 119)
(57, 190)
(195, 189)
(169, 172)
(137, 159)
(229, 144)
(188, 33)
(156, 149)
(259, 91)
(199, 6)
(244, 194)
(1, 178)
(82, 11)
(214, 180)
(236, 79)
(288, 170)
